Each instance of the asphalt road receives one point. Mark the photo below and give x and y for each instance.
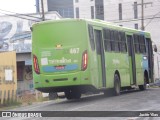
(148, 100)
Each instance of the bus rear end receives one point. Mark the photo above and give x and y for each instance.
(60, 55)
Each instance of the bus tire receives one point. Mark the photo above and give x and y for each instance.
(53, 96)
(76, 95)
(117, 85)
(72, 94)
(68, 95)
(143, 87)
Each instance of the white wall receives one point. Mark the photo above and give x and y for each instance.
(150, 10)
(84, 8)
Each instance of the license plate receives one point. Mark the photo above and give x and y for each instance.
(60, 67)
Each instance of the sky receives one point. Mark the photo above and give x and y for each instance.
(18, 6)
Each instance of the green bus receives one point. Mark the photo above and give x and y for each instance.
(76, 56)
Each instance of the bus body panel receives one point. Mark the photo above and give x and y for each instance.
(139, 69)
(117, 61)
(59, 47)
(60, 55)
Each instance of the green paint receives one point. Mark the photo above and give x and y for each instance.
(62, 42)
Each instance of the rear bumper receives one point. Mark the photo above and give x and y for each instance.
(58, 82)
(82, 88)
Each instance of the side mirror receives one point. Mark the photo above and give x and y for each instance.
(155, 48)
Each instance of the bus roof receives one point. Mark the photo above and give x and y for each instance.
(95, 22)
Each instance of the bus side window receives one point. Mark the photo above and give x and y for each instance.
(142, 44)
(116, 41)
(122, 42)
(136, 43)
(106, 36)
(91, 37)
(112, 41)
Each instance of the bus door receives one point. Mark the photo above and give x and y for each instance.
(100, 57)
(131, 54)
(150, 58)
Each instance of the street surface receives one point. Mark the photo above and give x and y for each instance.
(135, 100)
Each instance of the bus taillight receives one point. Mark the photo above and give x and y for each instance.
(35, 63)
(84, 60)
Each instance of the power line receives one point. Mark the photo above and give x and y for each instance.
(48, 19)
(20, 17)
(152, 19)
(116, 21)
(20, 14)
(129, 20)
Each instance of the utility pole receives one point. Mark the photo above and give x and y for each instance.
(142, 15)
(42, 6)
(142, 4)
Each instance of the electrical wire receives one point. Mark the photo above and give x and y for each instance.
(20, 17)
(152, 19)
(130, 20)
(116, 21)
(20, 14)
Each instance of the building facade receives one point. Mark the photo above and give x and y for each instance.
(8, 77)
(74, 8)
(15, 35)
(64, 7)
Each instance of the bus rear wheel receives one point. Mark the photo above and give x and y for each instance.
(68, 95)
(117, 86)
(72, 94)
(53, 95)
